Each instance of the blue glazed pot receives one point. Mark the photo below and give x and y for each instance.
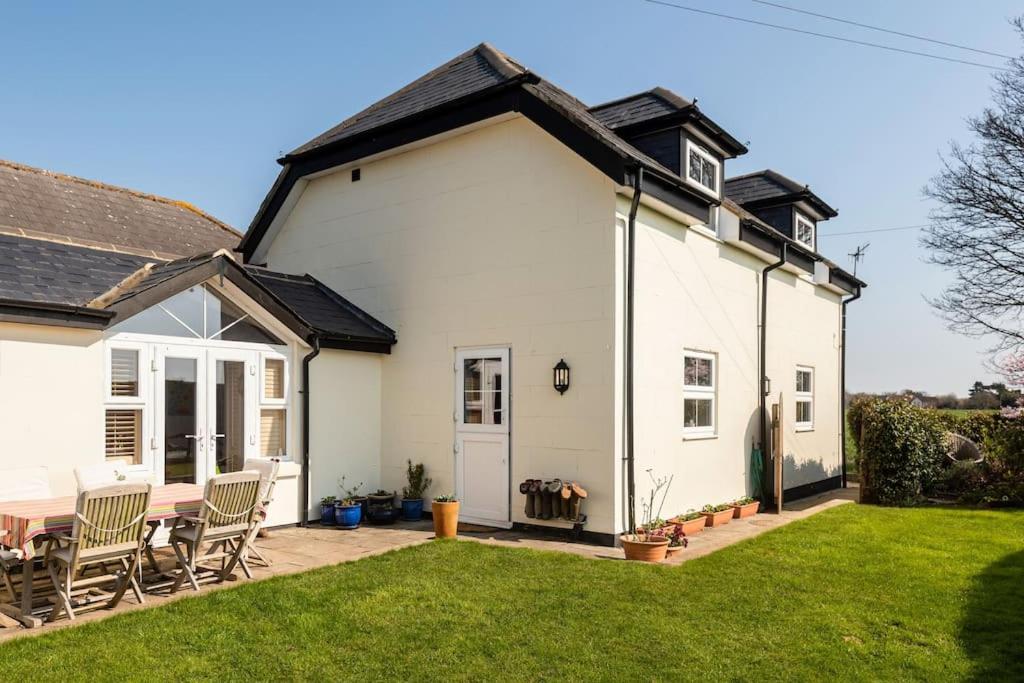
(412, 509)
(348, 516)
(327, 514)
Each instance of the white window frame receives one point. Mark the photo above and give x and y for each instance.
(143, 402)
(269, 401)
(799, 218)
(804, 397)
(708, 156)
(692, 391)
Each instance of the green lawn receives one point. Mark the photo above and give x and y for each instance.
(853, 593)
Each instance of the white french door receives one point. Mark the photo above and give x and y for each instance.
(482, 402)
(205, 411)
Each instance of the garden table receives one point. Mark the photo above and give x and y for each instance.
(29, 520)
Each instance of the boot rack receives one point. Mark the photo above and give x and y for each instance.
(555, 499)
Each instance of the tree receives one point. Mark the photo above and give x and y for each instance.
(977, 231)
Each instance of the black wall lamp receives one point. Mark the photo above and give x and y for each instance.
(561, 376)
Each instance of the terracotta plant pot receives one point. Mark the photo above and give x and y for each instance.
(691, 526)
(446, 519)
(714, 519)
(644, 551)
(744, 511)
(672, 550)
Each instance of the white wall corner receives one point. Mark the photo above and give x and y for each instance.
(728, 226)
(821, 273)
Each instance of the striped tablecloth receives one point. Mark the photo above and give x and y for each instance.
(26, 519)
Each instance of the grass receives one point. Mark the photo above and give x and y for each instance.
(853, 593)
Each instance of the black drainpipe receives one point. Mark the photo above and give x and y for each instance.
(315, 340)
(638, 178)
(763, 374)
(842, 383)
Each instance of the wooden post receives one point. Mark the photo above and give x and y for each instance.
(777, 453)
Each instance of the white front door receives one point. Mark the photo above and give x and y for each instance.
(482, 417)
(205, 412)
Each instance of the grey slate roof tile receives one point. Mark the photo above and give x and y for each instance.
(643, 106)
(50, 272)
(38, 202)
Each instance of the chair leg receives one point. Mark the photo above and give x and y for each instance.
(235, 557)
(8, 583)
(126, 579)
(150, 557)
(63, 593)
(187, 566)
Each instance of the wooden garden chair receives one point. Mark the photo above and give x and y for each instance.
(112, 472)
(109, 530)
(268, 480)
(226, 520)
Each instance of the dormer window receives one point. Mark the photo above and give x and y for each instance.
(804, 230)
(701, 168)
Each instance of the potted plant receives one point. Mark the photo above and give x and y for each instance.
(348, 513)
(327, 509)
(744, 507)
(647, 544)
(692, 522)
(716, 515)
(355, 496)
(412, 495)
(382, 497)
(676, 538)
(445, 510)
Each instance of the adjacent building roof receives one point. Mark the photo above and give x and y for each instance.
(62, 284)
(768, 187)
(58, 207)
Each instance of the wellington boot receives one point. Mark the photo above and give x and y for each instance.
(566, 501)
(545, 503)
(531, 510)
(555, 489)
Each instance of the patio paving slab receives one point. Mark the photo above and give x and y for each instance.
(295, 549)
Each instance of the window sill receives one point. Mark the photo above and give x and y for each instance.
(804, 428)
(699, 437)
(706, 232)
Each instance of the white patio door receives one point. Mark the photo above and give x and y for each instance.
(482, 417)
(205, 411)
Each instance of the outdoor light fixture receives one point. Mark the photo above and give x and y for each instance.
(561, 376)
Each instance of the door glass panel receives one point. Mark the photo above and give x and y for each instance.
(482, 391)
(180, 437)
(229, 411)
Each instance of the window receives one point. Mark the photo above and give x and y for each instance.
(482, 391)
(804, 398)
(274, 407)
(125, 404)
(804, 230)
(699, 389)
(701, 168)
(198, 313)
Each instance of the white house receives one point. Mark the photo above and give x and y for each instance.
(406, 289)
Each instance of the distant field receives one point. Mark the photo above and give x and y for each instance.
(966, 411)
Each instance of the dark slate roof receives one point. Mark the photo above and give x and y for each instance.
(469, 73)
(322, 308)
(51, 272)
(39, 203)
(768, 186)
(644, 106)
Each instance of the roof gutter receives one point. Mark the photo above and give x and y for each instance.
(306, 360)
(842, 383)
(50, 313)
(762, 389)
(634, 206)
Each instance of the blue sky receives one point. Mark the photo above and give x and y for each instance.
(196, 100)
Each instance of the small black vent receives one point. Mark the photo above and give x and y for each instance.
(355, 175)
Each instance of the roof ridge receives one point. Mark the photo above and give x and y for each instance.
(664, 93)
(188, 206)
(497, 60)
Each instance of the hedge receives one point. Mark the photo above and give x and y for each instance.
(901, 450)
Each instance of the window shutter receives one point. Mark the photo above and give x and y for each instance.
(124, 435)
(272, 432)
(273, 378)
(124, 372)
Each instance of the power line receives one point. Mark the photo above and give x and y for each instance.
(880, 28)
(830, 36)
(864, 232)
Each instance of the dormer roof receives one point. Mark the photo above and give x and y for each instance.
(766, 188)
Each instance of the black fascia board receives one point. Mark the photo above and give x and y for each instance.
(50, 313)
